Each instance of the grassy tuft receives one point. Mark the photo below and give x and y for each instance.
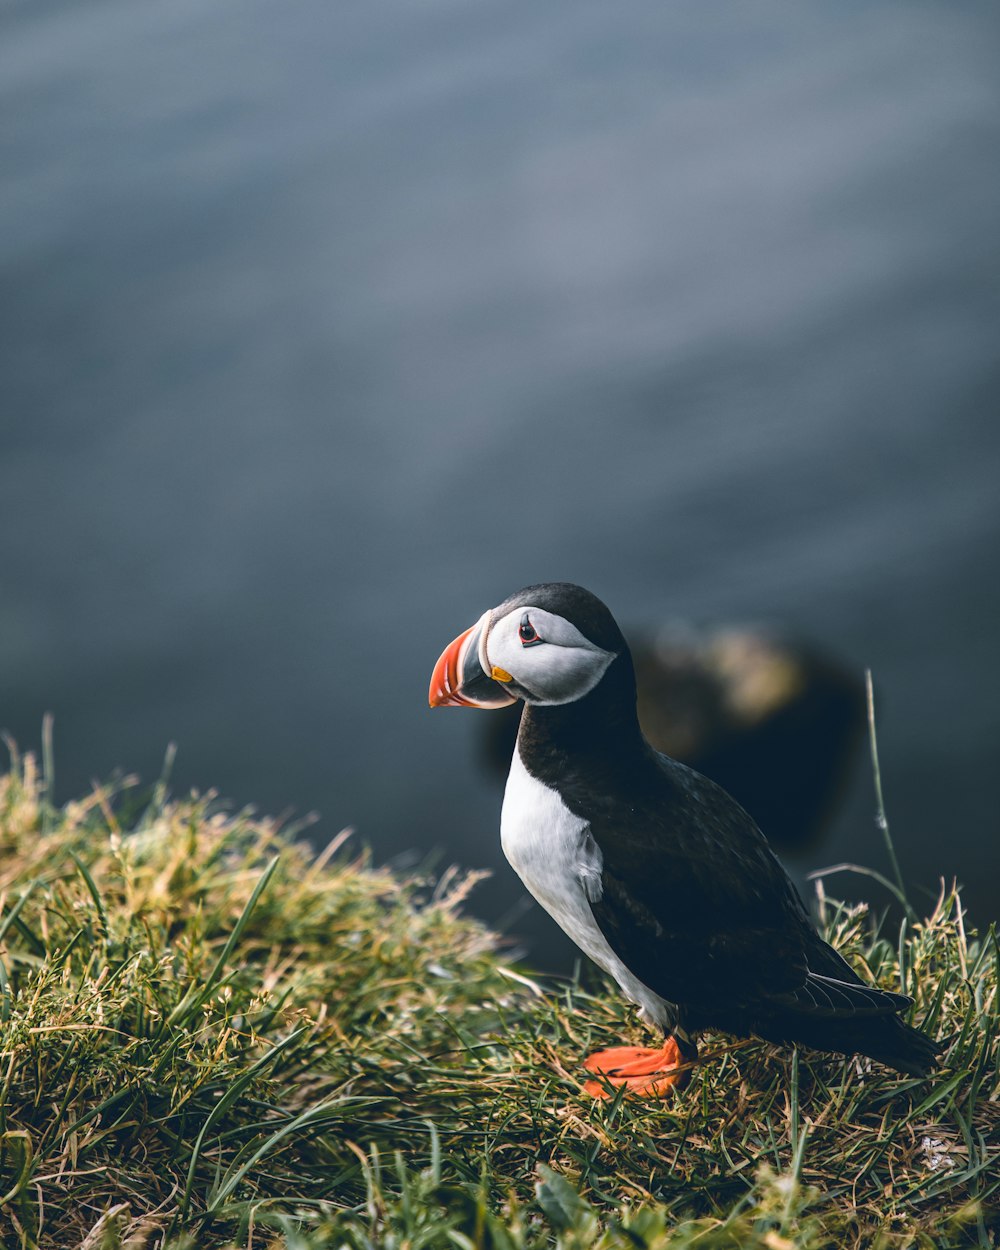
(212, 1037)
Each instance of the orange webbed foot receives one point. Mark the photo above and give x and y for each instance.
(640, 1069)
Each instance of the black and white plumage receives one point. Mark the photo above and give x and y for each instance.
(654, 871)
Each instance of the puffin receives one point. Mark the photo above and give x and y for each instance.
(654, 871)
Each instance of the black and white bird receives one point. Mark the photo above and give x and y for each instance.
(654, 871)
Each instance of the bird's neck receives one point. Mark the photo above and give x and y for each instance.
(579, 735)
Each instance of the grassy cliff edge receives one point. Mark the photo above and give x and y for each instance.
(212, 1037)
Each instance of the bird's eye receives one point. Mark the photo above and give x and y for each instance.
(526, 632)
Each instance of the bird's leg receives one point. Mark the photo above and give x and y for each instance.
(641, 1069)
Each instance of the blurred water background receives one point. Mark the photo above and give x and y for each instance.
(325, 326)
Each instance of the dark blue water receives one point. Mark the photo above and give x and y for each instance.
(324, 327)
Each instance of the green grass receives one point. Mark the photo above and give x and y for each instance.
(212, 1037)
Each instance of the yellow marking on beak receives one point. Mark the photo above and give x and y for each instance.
(500, 674)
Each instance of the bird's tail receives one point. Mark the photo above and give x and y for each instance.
(884, 1038)
(887, 1040)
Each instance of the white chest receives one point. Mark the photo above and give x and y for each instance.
(553, 853)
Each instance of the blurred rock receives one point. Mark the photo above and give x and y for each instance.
(773, 720)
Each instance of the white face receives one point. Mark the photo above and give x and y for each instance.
(548, 658)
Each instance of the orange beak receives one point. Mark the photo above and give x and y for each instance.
(458, 679)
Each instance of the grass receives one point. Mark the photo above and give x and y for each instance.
(211, 1037)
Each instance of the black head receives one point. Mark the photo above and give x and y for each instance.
(548, 644)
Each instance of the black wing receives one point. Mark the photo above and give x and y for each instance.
(708, 918)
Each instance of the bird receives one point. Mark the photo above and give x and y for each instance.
(654, 871)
